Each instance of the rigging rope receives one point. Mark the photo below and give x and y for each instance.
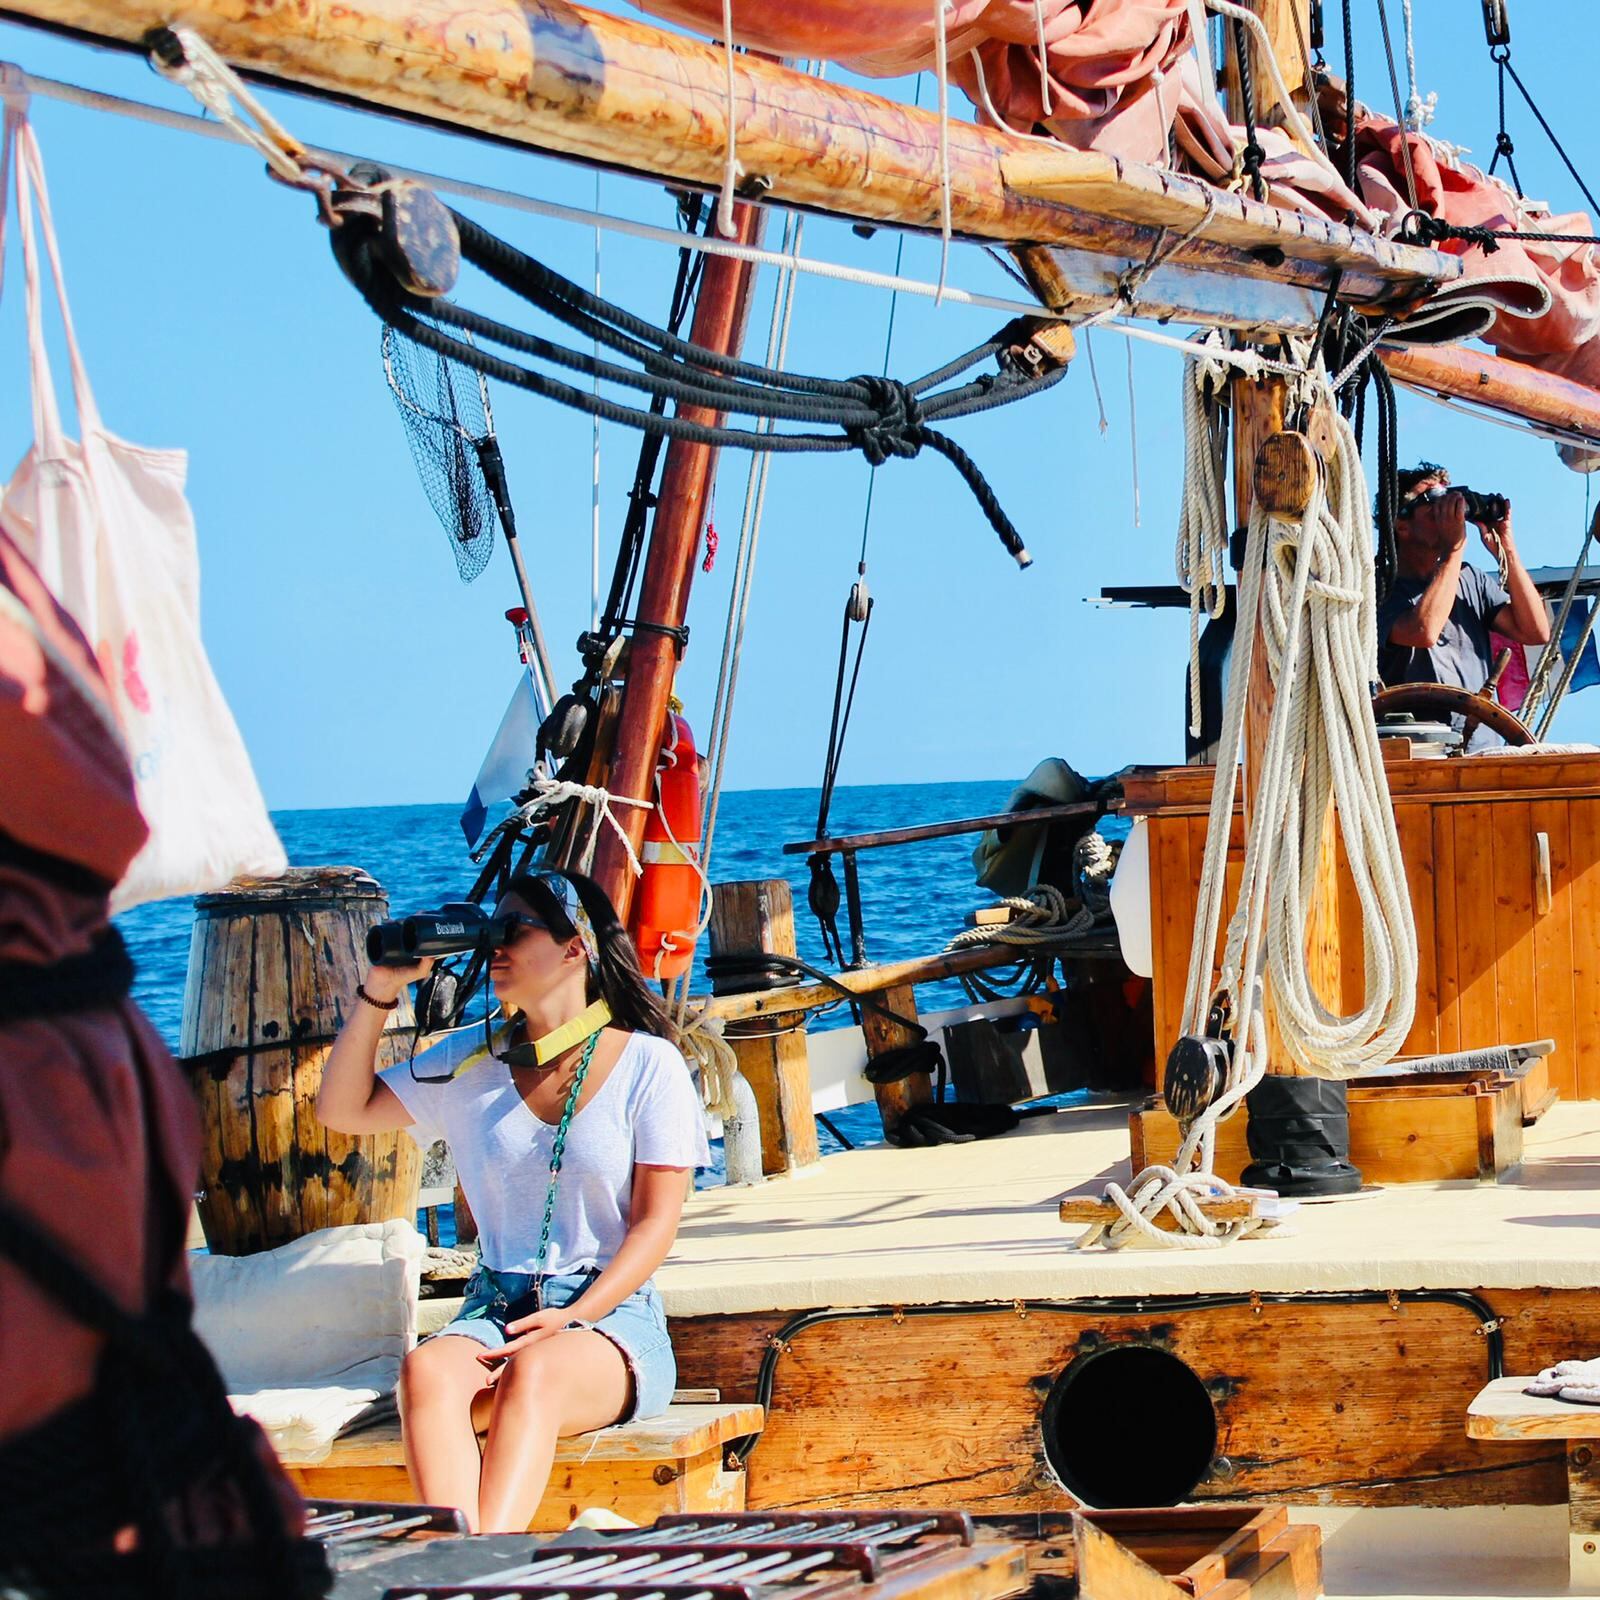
(1203, 532)
(1308, 587)
(1539, 680)
(880, 417)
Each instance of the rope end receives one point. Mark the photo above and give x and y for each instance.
(1023, 559)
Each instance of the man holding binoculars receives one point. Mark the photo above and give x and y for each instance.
(1435, 624)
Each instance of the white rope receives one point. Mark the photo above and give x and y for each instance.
(701, 1039)
(1308, 587)
(1045, 103)
(1094, 380)
(1203, 533)
(1419, 111)
(731, 170)
(1133, 434)
(941, 64)
(549, 794)
(994, 115)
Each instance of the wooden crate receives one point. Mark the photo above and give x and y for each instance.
(1502, 858)
(640, 1470)
(1400, 1132)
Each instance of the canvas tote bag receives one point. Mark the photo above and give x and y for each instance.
(108, 527)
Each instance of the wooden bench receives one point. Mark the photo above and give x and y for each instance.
(640, 1470)
(1502, 1412)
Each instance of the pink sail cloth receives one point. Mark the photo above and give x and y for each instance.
(1563, 340)
(99, 1139)
(1102, 60)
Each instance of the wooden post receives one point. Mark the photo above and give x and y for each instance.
(750, 918)
(1279, 469)
(895, 1099)
(686, 480)
(1286, 30)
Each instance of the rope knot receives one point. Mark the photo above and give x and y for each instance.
(898, 428)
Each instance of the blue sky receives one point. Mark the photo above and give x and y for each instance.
(362, 671)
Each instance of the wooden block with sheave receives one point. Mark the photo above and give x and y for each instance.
(640, 1470)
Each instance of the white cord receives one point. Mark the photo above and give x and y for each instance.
(551, 793)
(1419, 111)
(731, 171)
(1045, 103)
(941, 66)
(1203, 532)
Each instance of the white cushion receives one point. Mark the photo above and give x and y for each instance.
(309, 1335)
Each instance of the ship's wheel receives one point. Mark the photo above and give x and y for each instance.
(1441, 701)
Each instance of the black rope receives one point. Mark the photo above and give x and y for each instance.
(823, 895)
(1349, 101)
(881, 417)
(1251, 157)
(1418, 227)
(1502, 55)
(1502, 142)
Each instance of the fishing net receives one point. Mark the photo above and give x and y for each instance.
(445, 410)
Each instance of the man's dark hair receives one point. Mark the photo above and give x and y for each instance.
(1408, 478)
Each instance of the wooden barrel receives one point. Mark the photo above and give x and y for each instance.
(273, 969)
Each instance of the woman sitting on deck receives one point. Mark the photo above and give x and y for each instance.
(574, 1142)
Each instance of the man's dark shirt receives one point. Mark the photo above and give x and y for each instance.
(1464, 655)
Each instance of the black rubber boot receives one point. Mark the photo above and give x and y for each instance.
(1299, 1135)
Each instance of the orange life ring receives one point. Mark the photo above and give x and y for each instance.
(666, 902)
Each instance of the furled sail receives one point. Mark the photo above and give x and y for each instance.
(1096, 88)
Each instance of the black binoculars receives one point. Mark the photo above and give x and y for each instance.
(1484, 507)
(451, 929)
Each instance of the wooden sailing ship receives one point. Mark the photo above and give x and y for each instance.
(911, 1323)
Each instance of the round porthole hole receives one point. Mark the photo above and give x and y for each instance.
(1129, 1425)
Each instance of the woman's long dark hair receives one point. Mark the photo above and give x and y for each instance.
(616, 977)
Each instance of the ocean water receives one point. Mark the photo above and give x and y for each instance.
(914, 897)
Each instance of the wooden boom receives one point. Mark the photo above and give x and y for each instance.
(1500, 384)
(608, 90)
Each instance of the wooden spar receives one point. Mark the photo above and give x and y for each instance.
(624, 94)
(1499, 383)
(721, 311)
(1260, 473)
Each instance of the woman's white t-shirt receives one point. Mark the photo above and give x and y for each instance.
(647, 1111)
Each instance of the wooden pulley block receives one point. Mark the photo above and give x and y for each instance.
(1322, 429)
(420, 239)
(1286, 471)
(416, 234)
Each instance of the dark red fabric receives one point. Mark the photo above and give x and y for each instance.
(99, 1140)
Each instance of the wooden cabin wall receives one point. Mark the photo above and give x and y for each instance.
(1317, 1402)
(1502, 957)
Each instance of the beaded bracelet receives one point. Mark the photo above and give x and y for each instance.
(379, 1005)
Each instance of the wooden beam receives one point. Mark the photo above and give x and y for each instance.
(619, 93)
(1512, 387)
(873, 980)
(945, 830)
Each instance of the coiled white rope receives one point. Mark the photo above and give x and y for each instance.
(550, 794)
(1038, 917)
(701, 1039)
(1202, 553)
(1309, 587)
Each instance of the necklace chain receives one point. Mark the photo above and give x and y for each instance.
(559, 1148)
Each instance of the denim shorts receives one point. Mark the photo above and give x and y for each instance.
(638, 1327)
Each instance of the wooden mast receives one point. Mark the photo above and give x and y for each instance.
(721, 312)
(1258, 416)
